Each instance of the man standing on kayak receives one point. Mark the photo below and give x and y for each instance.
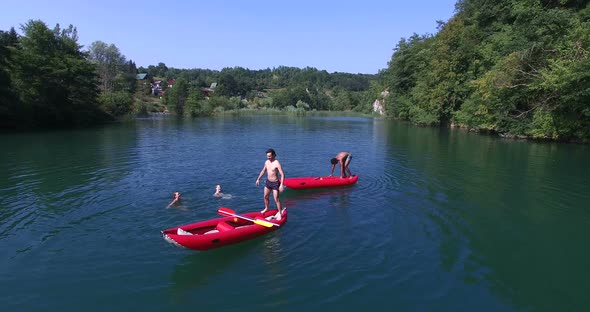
(344, 159)
(273, 168)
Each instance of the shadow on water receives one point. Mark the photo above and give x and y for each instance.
(203, 273)
(198, 269)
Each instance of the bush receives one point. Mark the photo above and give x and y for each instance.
(116, 103)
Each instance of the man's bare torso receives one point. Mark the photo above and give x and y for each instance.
(272, 170)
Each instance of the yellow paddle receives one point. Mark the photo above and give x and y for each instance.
(230, 212)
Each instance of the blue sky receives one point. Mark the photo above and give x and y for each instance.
(337, 36)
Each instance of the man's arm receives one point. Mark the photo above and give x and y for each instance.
(261, 174)
(281, 186)
(332, 171)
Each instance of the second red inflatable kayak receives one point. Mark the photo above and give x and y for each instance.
(319, 182)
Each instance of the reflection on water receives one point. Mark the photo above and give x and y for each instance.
(495, 206)
(291, 198)
(55, 181)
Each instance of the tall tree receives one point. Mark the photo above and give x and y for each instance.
(8, 99)
(56, 83)
(178, 95)
(109, 62)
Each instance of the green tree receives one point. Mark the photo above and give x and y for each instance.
(518, 67)
(116, 103)
(228, 86)
(109, 62)
(9, 101)
(194, 103)
(177, 96)
(159, 71)
(55, 81)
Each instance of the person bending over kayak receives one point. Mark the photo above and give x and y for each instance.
(273, 168)
(344, 159)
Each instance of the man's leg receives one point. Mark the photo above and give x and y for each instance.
(275, 194)
(266, 199)
(346, 163)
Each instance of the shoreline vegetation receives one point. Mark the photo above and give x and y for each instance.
(519, 71)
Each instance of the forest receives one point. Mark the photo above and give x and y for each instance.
(48, 80)
(283, 88)
(516, 68)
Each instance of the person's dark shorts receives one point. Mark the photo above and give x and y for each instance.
(272, 185)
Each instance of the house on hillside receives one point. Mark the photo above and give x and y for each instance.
(142, 79)
(157, 88)
(208, 91)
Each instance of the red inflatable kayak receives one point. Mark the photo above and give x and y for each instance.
(319, 182)
(224, 231)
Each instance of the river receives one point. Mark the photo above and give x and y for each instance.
(440, 220)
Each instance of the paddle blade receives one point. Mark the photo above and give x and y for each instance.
(264, 222)
(260, 221)
(226, 211)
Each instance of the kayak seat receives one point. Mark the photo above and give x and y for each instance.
(223, 226)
